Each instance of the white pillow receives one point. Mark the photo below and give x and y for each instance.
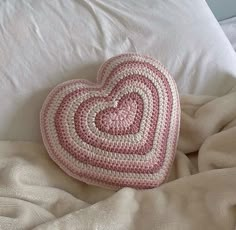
(43, 43)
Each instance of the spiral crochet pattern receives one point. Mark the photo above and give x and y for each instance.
(121, 131)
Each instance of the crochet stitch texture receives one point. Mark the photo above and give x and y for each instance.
(121, 131)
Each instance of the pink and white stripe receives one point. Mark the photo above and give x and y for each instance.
(121, 131)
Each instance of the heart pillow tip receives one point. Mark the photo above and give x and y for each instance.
(119, 132)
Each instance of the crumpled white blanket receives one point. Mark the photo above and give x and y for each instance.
(200, 194)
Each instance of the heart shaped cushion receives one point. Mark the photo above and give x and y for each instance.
(120, 131)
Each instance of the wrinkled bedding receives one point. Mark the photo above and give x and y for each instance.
(200, 194)
(43, 43)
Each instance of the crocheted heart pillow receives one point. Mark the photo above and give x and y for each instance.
(121, 131)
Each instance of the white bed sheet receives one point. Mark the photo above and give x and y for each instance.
(43, 43)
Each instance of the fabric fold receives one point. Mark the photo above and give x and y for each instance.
(200, 193)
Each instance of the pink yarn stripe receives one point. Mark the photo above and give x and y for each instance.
(133, 125)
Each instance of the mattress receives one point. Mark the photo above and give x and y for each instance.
(44, 43)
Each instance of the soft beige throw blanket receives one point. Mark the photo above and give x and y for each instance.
(200, 194)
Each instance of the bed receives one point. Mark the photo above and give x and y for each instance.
(43, 43)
